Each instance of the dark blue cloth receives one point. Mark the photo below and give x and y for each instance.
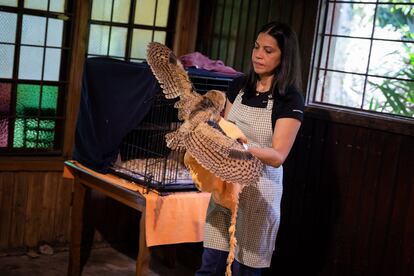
(116, 95)
(214, 264)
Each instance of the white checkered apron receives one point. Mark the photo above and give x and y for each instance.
(258, 216)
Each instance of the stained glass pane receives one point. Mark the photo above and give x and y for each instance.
(27, 100)
(5, 94)
(162, 13)
(118, 41)
(36, 4)
(8, 27)
(160, 36)
(4, 132)
(144, 12)
(57, 6)
(11, 3)
(101, 10)
(18, 133)
(121, 11)
(54, 32)
(98, 40)
(48, 104)
(140, 40)
(33, 133)
(6, 61)
(30, 64)
(52, 64)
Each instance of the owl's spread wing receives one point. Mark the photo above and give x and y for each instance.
(223, 156)
(172, 77)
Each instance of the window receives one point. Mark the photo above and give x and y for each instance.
(122, 29)
(34, 54)
(364, 56)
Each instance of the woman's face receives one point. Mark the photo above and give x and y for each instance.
(266, 55)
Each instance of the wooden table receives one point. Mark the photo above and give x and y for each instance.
(133, 196)
(83, 180)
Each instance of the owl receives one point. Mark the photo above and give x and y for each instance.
(218, 162)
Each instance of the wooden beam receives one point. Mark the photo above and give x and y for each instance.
(186, 27)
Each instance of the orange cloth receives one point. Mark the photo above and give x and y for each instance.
(175, 218)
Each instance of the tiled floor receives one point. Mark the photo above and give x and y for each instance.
(104, 261)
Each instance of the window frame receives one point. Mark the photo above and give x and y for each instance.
(62, 82)
(354, 116)
(131, 26)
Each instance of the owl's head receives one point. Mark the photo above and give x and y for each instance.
(217, 97)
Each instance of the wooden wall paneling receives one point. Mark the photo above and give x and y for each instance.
(19, 207)
(6, 203)
(63, 202)
(357, 183)
(317, 200)
(306, 34)
(390, 261)
(241, 48)
(33, 208)
(250, 34)
(232, 32)
(337, 167)
(371, 193)
(48, 203)
(406, 267)
(205, 27)
(276, 10)
(224, 41)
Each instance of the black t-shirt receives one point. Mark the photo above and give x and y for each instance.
(291, 105)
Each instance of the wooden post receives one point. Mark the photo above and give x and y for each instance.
(79, 192)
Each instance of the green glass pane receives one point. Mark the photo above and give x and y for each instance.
(33, 30)
(48, 104)
(57, 6)
(11, 3)
(118, 41)
(6, 61)
(140, 40)
(101, 10)
(121, 11)
(144, 12)
(5, 94)
(27, 100)
(36, 4)
(98, 40)
(4, 132)
(18, 133)
(33, 133)
(162, 13)
(160, 37)
(8, 27)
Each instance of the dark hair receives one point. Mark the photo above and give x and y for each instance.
(288, 73)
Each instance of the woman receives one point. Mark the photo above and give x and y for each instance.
(269, 111)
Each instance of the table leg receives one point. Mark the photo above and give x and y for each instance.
(79, 190)
(143, 258)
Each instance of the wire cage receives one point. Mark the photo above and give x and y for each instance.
(144, 156)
